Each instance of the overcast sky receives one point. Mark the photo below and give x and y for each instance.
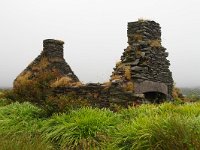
(94, 32)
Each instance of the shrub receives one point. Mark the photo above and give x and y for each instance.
(17, 118)
(19, 127)
(4, 102)
(166, 126)
(85, 128)
(193, 97)
(176, 93)
(65, 81)
(118, 63)
(63, 103)
(142, 20)
(159, 132)
(34, 90)
(116, 77)
(128, 86)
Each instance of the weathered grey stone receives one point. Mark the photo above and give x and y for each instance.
(50, 60)
(137, 68)
(148, 58)
(142, 54)
(135, 62)
(149, 86)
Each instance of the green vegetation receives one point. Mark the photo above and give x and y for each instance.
(19, 127)
(191, 93)
(166, 126)
(85, 128)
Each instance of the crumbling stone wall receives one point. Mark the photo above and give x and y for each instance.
(144, 62)
(50, 61)
(101, 95)
(143, 69)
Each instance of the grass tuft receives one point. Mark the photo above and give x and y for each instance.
(85, 128)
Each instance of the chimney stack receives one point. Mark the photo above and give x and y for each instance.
(53, 48)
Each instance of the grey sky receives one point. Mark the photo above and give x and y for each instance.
(94, 32)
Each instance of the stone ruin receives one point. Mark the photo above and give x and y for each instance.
(142, 74)
(144, 63)
(50, 61)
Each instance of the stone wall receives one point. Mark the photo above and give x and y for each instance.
(145, 59)
(50, 61)
(143, 71)
(101, 95)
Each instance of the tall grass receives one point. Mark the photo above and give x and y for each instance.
(85, 128)
(166, 126)
(4, 102)
(16, 118)
(146, 127)
(24, 142)
(19, 128)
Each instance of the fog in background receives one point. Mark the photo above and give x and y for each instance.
(95, 35)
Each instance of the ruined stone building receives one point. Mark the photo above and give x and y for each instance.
(50, 61)
(144, 62)
(142, 73)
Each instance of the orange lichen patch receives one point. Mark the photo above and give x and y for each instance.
(127, 72)
(142, 20)
(65, 81)
(137, 37)
(22, 78)
(118, 63)
(77, 84)
(56, 59)
(44, 62)
(106, 85)
(128, 86)
(116, 77)
(155, 43)
(96, 95)
(176, 93)
(138, 52)
(128, 48)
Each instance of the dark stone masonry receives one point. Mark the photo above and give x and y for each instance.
(144, 62)
(142, 74)
(50, 61)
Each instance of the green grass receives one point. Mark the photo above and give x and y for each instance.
(147, 127)
(24, 142)
(19, 127)
(85, 128)
(166, 126)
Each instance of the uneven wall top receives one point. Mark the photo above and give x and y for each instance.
(149, 30)
(53, 48)
(53, 41)
(145, 59)
(142, 70)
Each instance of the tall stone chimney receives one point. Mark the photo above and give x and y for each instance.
(144, 62)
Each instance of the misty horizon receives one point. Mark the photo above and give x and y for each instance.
(94, 32)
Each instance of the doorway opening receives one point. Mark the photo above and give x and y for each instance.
(155, 97)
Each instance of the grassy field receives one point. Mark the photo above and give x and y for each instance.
(166, 126)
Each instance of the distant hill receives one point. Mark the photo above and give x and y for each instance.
(191, 91)
(5, 88)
